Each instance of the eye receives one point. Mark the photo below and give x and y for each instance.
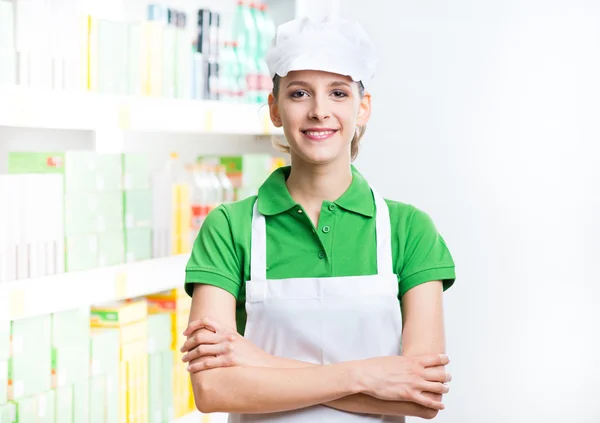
(298, 94)
(339, 94)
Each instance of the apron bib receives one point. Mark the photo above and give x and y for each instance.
(323, 320)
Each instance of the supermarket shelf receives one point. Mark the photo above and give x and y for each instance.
(197, 417)
(33, 297)
(69, 110)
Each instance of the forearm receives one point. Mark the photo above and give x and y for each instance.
(362, 403)
(234, 389)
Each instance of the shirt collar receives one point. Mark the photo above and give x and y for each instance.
(274, 197)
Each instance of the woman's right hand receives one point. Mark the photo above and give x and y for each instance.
(400, 378)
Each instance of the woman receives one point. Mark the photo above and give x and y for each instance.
(317, 263)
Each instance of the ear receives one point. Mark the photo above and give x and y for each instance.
(364, 111)
(274, 112)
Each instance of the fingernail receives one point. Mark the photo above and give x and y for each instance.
(189, 368)
(184, 358)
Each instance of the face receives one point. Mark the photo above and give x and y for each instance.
(319, 112)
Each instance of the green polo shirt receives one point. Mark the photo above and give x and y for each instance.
(343, 244)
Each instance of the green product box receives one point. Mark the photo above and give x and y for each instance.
(45, 407)
(155, 388)
(159, 332)
(136, 171)
(110, 211)
(138, 208)
(98, 399)
(82, 214)
(64, 404)
(3, 381)
(111, 249)
(4, 339)
(8, 413)
(105, 351)
(30, 366)
(112, 397)
(27, 410)
(138, 244)
(81, 252)
(110, 171)
(168, 401)
(71, 328)
(70, 364)
(112, 57)
(78, 167)
(81, 401)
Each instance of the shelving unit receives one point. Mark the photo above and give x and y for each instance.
(198, 417)
(34, 297)
(69, 110)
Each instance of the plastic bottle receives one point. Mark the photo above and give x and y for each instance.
(228, 192)
(216, 190)
(199, 200)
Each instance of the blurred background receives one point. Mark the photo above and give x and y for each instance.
(124, 122)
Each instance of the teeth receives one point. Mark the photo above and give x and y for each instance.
(319, 133)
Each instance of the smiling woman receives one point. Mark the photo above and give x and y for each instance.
(318, 300)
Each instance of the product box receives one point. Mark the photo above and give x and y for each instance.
(133, 332)
(81, 252)
(70, 364)
(112, 397)
(46, 407)
(98, 396)
(160, 387)
(112, 57)
(27, 410)
(64, 404)
(174, 300)
(71, 328)
(168, 403)
(110, 171)
(138, 244)
(81, 401)
(138, 208)
(105, 351)
(111, 249)
(80, 168)
(118, 313)
(159, 333)
(136, 171)
(8, 413)
(30, 366)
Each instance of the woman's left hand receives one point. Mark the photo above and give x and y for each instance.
(219, 346)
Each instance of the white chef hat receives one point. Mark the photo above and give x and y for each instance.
(332, 45)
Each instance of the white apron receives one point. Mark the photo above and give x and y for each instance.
(323, 320)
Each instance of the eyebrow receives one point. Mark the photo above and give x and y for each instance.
(305, 84)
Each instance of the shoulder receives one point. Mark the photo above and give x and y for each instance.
(233, 214)
(408, 219)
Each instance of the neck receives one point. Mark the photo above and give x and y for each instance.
(310, 185)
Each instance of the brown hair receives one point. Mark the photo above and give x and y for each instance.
(358, 134)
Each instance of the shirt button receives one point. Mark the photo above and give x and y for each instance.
(321, 254)
(331, 207)
(326, 229)
(299, 210)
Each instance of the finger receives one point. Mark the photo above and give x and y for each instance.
(435, 388)
(206, 350)
(203, 323)
(437, 375)
(427, 402)
(433, 360)
(201, 337)
(206, 363)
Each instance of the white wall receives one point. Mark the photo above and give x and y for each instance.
(486, 116)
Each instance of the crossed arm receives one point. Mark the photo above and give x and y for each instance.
(377, 386)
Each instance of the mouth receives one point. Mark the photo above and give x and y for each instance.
(318, 134)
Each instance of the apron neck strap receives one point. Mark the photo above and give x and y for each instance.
(258, 249)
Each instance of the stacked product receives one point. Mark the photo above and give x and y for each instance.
(137, 204)
(130, 318)
(177, 304)
(7, 410)
(30, 370)
(160, 367)
(93, 204)
(104, 382)
(70, 365)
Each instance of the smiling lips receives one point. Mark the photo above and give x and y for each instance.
(318, 134)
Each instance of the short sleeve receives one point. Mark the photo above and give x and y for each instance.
(426, 256)
(213, 260)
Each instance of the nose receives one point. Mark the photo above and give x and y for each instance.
(319, 111)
